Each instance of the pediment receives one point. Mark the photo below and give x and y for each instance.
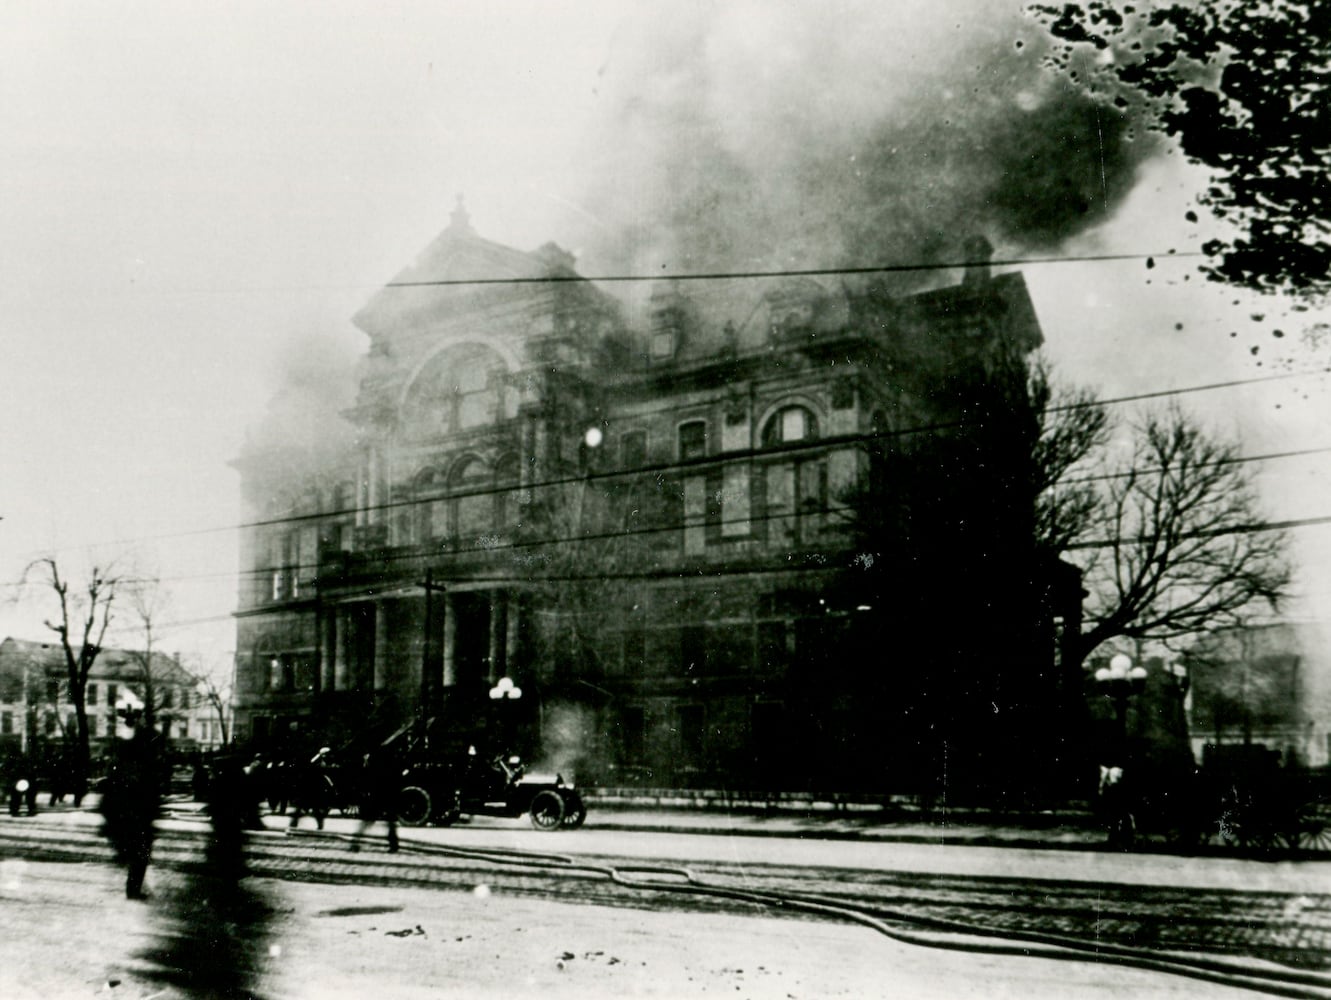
(456, 266)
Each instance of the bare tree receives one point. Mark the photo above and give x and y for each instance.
(1184, 547)
(84, 613)
(212, 684)
(1072, 427)
(217, 694)
(147, 602)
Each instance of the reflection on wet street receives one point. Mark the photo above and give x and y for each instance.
(211, 931)
(210, 937)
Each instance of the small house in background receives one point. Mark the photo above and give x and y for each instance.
(1260, 686)
(36, 715)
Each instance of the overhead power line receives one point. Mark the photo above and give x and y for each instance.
(729, 456)
(811, 272)
(696, 573)
(493, 546)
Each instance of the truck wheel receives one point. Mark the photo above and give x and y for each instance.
(414, 806)
(575, 811)
(547, 810)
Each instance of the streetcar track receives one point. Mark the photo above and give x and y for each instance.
(1162, 919)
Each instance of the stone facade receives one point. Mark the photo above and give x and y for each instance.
(649, 515)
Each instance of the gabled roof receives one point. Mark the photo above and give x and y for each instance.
(456, 255)
(110, 665)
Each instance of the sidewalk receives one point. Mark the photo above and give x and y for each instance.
(1067, 830)
(814, 820)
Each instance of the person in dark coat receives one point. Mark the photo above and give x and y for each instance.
(130, 803)
(233, 804)
(312, 789)
(379, 782)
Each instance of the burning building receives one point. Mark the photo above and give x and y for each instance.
(767, 527)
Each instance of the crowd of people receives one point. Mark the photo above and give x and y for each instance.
(134, 780)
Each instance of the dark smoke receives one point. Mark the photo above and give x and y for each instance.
(739, 136)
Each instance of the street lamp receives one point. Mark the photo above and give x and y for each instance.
(505, 691)
(1120, 681)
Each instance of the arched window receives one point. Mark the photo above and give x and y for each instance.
(459, 388)
(789, 424)
(474, 508)
(796, 484)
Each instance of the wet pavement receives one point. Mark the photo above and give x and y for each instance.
(1050, 876)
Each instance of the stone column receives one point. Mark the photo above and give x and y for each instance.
(328, 648)
(380, 645)
(450, 640)
(496, 658)
(374, 513)
(511, 604)
(341, 644)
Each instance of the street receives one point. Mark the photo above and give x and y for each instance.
(67, 932)
(320, 920)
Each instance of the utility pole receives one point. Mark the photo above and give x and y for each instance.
(429, 692)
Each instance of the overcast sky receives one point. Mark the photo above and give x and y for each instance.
(199, 196)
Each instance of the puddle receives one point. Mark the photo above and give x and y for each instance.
(358, 911)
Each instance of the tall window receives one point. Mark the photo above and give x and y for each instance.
(91, 696)
(689, 720)
(474, 510)
(509, 500)
(843, 394)
(632, 730)
(337, 532)
(734, 502)
(796, 493)
(633, 449)
(693, 650)
(693, 439)
(431, 505)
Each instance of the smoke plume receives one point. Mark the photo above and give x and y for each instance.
(781, 135)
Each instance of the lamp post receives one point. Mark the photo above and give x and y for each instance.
(1181, 681)
(505, 691)
(1120, 681)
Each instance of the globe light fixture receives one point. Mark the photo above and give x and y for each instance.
(1119, 681)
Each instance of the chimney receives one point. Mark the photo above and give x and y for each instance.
(977, 252)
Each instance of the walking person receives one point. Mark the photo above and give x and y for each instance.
(233, 805)
(131, 801)
(312, 789)
(378, 781)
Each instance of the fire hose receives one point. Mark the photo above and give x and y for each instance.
(675, 879)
